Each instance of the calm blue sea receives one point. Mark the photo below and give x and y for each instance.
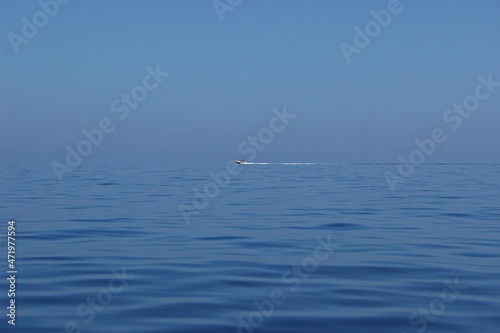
(280, 248)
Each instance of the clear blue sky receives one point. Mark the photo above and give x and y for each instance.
(226, 77)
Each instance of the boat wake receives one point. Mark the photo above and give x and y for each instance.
(284, 163)
(294, 163)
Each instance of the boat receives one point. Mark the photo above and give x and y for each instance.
(241, 162)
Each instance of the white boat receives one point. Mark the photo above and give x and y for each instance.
(241, 162)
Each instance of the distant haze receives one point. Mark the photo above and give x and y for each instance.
(226, 77)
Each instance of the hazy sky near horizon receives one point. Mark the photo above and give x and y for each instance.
(225, 78)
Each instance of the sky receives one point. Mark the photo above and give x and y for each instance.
(231, 63)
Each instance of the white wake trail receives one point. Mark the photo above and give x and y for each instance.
(294, 163)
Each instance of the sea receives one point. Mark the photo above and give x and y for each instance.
(282, 248)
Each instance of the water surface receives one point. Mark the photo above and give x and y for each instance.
(393, 250)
